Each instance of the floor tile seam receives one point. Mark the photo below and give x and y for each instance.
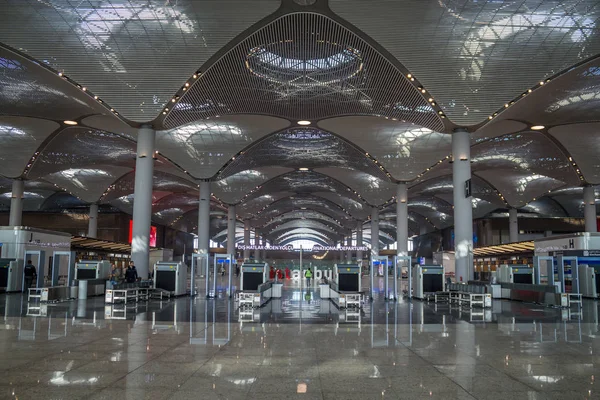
(456, 383)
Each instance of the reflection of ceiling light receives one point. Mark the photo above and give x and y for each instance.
(537, 127)
(70, 122)
(303, 122)
(303, 169)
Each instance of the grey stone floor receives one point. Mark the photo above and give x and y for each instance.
(297, 347)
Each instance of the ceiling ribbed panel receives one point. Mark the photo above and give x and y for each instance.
(473, 56)
(79, 147)
(204, 147)
(233, 188)
(303, 147)
(19, 139)
(303, 66)
(303, 182)
(404, 149)
(134, 54)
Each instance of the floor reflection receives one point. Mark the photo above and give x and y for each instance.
(297, 345)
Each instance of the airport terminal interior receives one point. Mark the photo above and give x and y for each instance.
(299, 199)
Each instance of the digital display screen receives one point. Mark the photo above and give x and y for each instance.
(152, 234)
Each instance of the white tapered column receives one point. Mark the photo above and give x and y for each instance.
(16, 203)
(93, 221)
(374, 231)
(359, 239)
(231, 230)
(246, 239)
(402, 219)
(204, 218)
(589, 209)
(142, 200)
(513, 226)
(463, 209)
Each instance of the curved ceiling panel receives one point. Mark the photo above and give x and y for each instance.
(573, 97)
(307, 202)
(302, 232)
(32, 200)
(404, 149)
(519, 187)
(303, 148)
(303, 182)
(249, 208)
(583, 144)
(355, 208)
(162, 183)
(80, 147)
(304, 215)
(374, 190)
(303, 66)
(20, 138)
(30, 90)
(528, 151)
(134, 54)
(203, 147)
(87, 183)
(475, 43)
(235, 187)
(61, 201)
(497, 127)
(545, 207)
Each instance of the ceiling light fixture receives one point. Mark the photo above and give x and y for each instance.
(303, 169)
(537, 127)
(303, 122)
(70, 122)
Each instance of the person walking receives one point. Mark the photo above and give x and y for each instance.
(308, 275)
(30, 274)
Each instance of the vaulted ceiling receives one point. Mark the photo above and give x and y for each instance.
(383, 84)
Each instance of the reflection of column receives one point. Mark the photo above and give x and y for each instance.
(16, 203)
(349, 243)
(402, 219)
(246, 239)
(589, 209)
(463, 209)
(93, 221)
(142, 204)
(513, 226)
(256, 243)
(359, 240)
(204, 218)
(231, 230)
(374, 231)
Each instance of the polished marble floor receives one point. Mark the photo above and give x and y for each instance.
(297, 347)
